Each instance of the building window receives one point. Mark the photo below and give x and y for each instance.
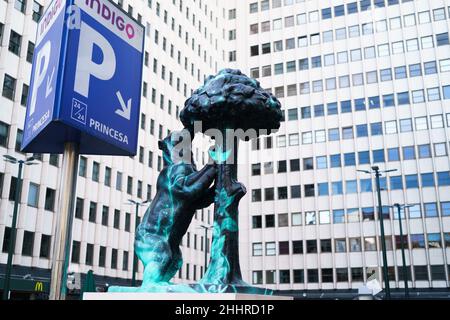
(9, 87)
(89, 254)
(28, 243)
(37, 11)
(313, 275)
(102, 257)
(33, 195)
(79, 208)
(44, 251)
(20, 5)
(270, 248)
(15, 41)
(257, 277)
(93, 212)
(257, 249)
(116, 219)
(283, 247)
(50, 196)
(82, 167)
(75, 252)
(285, 276)
(114, 259)
(125, 261)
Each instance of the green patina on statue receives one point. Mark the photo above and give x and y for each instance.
(226, 102)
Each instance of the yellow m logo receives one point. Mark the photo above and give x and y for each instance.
(39, 287)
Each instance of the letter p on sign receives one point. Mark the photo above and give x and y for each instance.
(86, 67)
(42, 61)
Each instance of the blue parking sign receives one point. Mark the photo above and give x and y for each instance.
(86, 80)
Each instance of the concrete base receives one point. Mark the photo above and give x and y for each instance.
(179, 296)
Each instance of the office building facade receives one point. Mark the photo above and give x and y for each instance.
(362, 83)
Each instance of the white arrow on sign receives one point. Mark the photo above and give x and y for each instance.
(49, 88)
(125, 109)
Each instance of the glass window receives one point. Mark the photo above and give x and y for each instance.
(257, 249)
(430, 210)
(344, 81)
(412, 181)
(388, 100)
(442, 39)
(390, 127)
(424, 17)
(301, 18)
(440, 149)
(297, 219)
(424, 151)
(403, 98)
(338, 216)
(427, 180)
(310, 218)
(364, 157)
(327, 36)
(323, 189)
(443, 178)
(370, 244)
(430, 67)
(437, 121)
(427, 42)
(439, 14)
(434, 94)
(336, 188)
(351, 186)
(417, 241)
(415, 211)
(355, 244)
(393, 154)
(396, 183)
(418, 96)
(335, 161)
(311, 246)
(33, 195)
(383, 50)
(270, 248)
(341, 33)
(321, 162)
(397, 47)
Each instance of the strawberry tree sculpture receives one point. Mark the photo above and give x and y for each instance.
(226, 105)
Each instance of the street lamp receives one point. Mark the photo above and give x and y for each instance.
(206, 228)
(376, 170)
(135, 258)
(12, 242)
(402, 245)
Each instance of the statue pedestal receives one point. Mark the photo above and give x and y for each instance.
(179, 296)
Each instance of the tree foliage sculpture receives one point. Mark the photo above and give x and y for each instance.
(228, 102)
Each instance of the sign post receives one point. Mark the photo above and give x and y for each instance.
(63, 239)
(85, 98)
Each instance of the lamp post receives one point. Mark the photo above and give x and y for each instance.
(206, 228)
(135, 258)
(376, 170)
(402, 245)
(12, 242)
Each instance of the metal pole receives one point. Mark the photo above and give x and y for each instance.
(133, 277)
(12, 242)
(402, 245)
(63, 235)
(383, 240)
